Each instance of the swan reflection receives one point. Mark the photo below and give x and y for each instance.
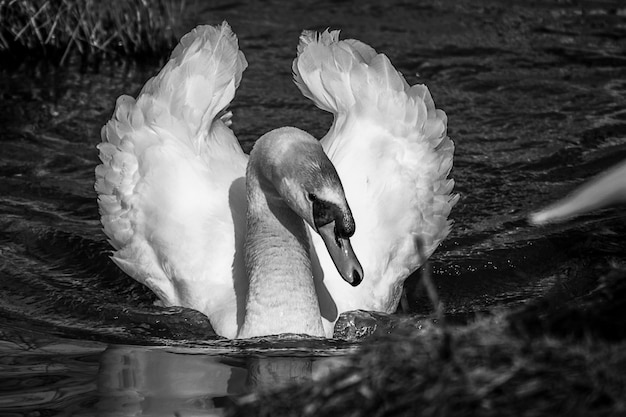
(160, 381)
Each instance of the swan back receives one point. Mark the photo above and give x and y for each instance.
(389, 145)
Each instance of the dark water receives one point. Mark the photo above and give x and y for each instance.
(535, 94)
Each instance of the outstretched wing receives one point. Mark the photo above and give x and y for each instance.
(171, 184)
(389, 145)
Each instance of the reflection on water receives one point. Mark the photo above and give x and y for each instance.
(534, 94)
(44, 373)
(133, 380)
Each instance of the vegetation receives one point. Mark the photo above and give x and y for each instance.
(89, 27)
(542, 360)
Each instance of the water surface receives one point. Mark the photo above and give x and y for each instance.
(534, 93)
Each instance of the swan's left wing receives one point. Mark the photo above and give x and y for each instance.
(171, 187)
(389, 145)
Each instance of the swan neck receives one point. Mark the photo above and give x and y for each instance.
(281, 294)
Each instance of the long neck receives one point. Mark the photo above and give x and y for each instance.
(281, 295)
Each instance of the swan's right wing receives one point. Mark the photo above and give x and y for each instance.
(389, 145)
(170, 182)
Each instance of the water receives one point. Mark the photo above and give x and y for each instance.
(534, 94)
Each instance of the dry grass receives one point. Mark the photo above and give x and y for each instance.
(89, 27)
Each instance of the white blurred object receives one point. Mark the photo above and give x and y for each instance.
(606, 189)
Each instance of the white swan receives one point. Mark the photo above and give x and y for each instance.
(606, 189)
(290, 179)
(172, 191)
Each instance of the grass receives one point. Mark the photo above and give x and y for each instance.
(58, 28)
(541, 360)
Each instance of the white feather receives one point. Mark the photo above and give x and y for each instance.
(389, 145)
(163, 207)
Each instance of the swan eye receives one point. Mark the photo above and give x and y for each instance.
(311, 197)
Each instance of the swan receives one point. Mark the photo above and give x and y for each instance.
(290, 179)
(605, 189)
(172, 192)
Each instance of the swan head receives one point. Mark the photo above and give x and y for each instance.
(296, 167)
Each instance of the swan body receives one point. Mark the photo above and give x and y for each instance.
(172, 193)
(606, 189)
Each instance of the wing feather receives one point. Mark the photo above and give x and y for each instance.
(169, 187)
(391, 150)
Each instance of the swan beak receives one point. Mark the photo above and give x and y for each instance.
(341, 252)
